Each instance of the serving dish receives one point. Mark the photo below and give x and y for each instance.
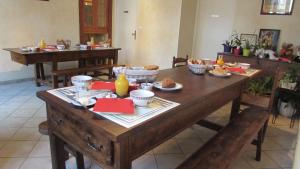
(138, 74)
(158, 85)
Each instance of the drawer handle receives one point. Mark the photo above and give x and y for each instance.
(92, 145)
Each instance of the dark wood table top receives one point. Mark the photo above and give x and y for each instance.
(195, 88)
(72, 49)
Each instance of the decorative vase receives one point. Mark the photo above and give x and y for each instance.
(236, 51)
(246, 52)
(122, 85)
(227, 48)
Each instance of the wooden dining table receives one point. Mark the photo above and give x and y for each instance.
(115, 147)
(37, 58)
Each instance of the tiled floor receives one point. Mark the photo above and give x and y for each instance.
(22, 147)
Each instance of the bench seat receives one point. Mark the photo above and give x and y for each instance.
(224, 147)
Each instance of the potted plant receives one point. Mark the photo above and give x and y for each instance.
(289, 80)
(227, 46)
(237, 49)
(247, 48)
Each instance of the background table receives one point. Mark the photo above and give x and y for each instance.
(40, 57)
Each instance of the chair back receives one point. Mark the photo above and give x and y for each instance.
(177, 62)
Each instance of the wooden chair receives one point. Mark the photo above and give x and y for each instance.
(224, 148)
(177, 62)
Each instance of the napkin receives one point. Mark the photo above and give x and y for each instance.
(236, 70)
(113, 105)
(99, 85)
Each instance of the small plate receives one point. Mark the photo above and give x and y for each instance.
(159, 86)
(91, 103)
(220, 75)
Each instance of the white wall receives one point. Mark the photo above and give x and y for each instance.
(242, 16)
(157, 24)
(215, 21)
(187, 25)
(27, 22)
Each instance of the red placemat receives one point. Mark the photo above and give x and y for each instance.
(236, 70)
(99, 85)
(113, 105)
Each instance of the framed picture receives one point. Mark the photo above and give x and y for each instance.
(269, 38)
(277, 7)
(251, 38)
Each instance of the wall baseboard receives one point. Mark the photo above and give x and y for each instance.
(16, 81)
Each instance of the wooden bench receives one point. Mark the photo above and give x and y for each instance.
(224, 147)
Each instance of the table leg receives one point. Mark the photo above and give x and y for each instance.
(54, 77)
(122, 160)
(58, 152)
(37, 74)
(42, 71)
(235, 108)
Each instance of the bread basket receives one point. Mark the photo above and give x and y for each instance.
(138, 74)
(197, 68)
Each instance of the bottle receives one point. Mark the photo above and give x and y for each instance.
(122, 85)
(220, 61)
(42, 44)
(92, 41)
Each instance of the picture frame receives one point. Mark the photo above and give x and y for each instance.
(252, 38)
(269, 38)
(277, 7)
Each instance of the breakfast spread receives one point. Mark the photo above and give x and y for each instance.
(168, 83)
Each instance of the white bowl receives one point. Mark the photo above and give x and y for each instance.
(60, 47)
(81, 81)
(146, 86)
(244, 65)
(141, 97)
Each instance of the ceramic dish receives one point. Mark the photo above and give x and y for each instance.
(220, 75)
(159, 86)
(141, 97)
(91, 102)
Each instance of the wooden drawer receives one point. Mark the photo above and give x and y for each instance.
(18, 58)
(81, 136)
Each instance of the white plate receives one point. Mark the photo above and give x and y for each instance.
(91, 102)
(218, 75)
(159, 86)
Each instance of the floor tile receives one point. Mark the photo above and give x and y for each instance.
(266, 161)
(204, 133)
(169, 147)
(34, 122)
(240, 163)
(24, 112)
(284, 158)
(7, 133)
(17, 149)
(41, 149)
(189, 145)
(286, 142)
(11, 163)
(37, 163)
(168, 161)
(145, 162)
(271, 144)
(13, 122)
(30, 134)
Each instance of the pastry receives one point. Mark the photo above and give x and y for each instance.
(168, 83)
(151, 67)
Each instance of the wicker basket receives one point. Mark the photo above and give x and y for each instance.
(139, 75)
(197, 68)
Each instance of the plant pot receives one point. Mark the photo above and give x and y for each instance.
(287, 85)
(227, 49)
(246, 52)
(236, 51)
(286, 108)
